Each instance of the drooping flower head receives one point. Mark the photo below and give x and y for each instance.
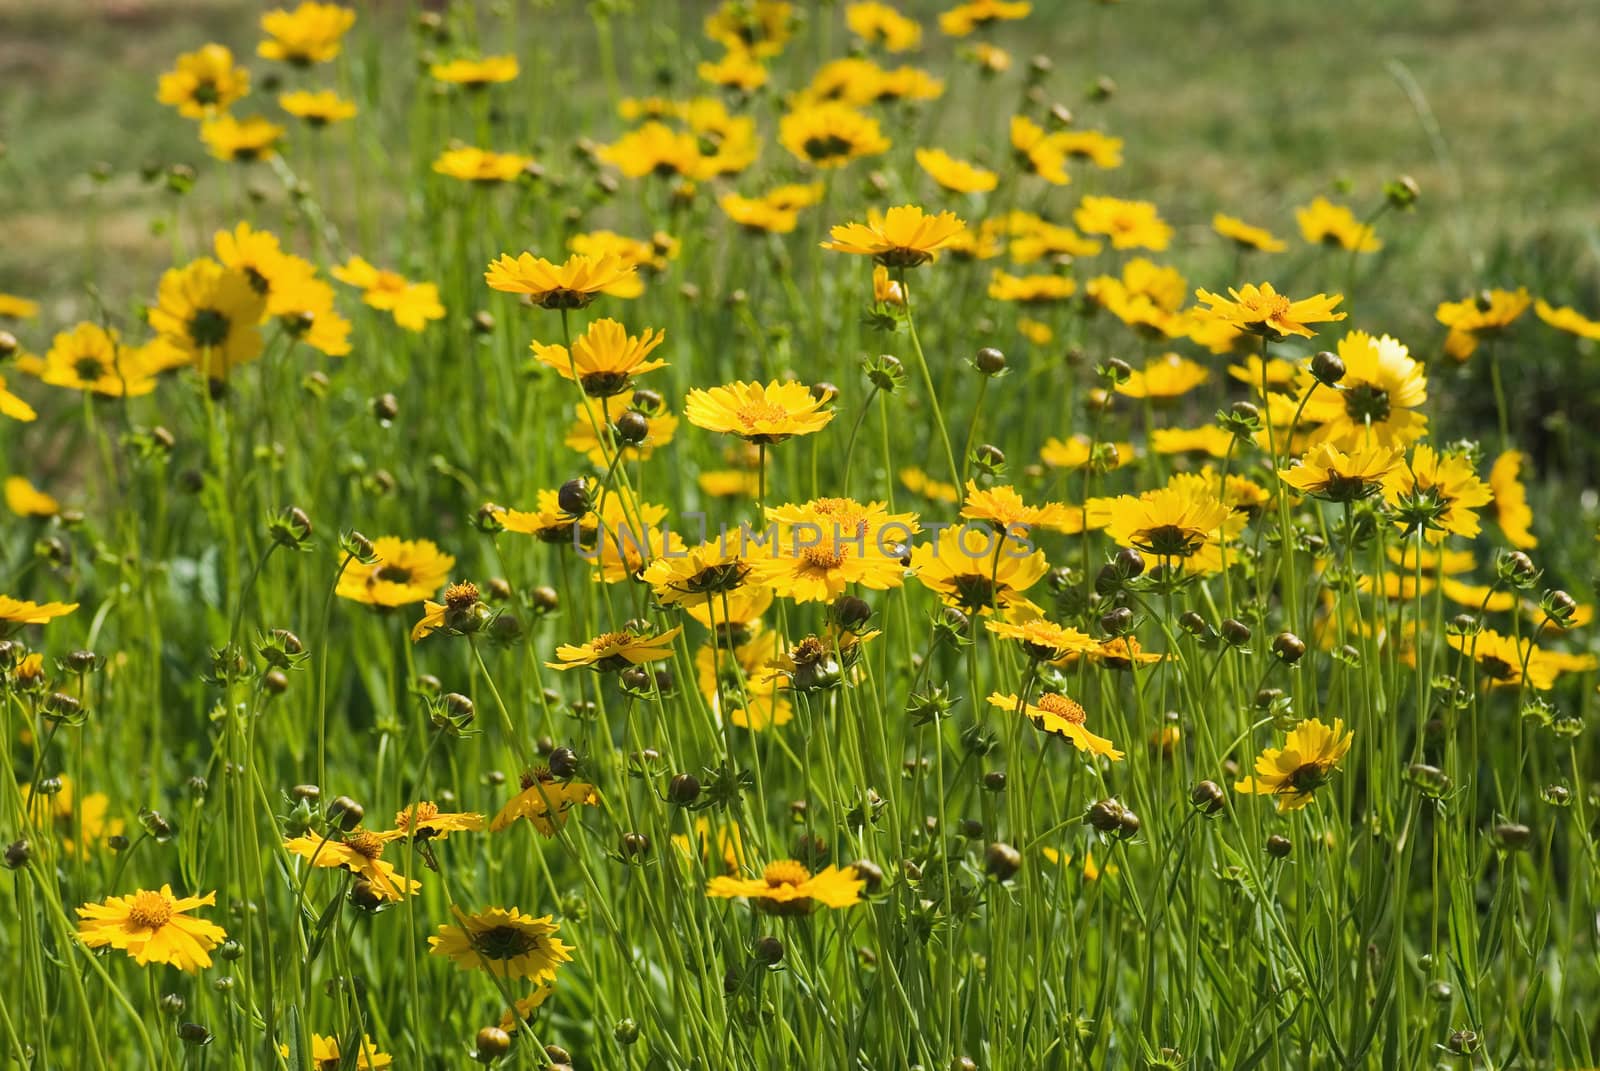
(569, 285)
(1261, 310)
(759, 413)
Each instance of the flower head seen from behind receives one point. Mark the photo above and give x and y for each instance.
(413, 305)
(153, 926)
(572, 284)
(1329, 473)
(475, 72)
(604, 359)
(505, 943)
(956, 175)
(1261, 310)
(311, 33)
(1293, 773)
(25, 500)
(883, 26)
(786, 887)
(14, 613)
(759, 413)
(1176, 521)
(903, 237)
(1511, 510)
(963, 19)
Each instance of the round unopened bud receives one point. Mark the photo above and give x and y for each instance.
(385, 408)
(308, 793)
(81, 662)
(458, 705)
(1327, 368)
(1106, 815)
(557, 1054)
(18, 853)
(345, 813)
(626, 1032)
(989, 455)
(850, 613)
(1288, 647)
(823, 391)
(989, 361)
(194, 1034)
(683, 789)
(1562, 605)
(1129, 825)
(1402, 192)
(490, 1044)
(230, 950)
(1246, 411)
(632, 427)
(963, 1063)
(275, 681)
(1002, 860)
(635, 845)
(1192, 623)
(1440, 992)
(1235, 632)
(563, 762)
(1208, 798)
(1511, 836)
(573, 497)
(1118, 621)
(545, 600)
(1279, 846)
(1130, 563)
(1520, 565)
(767, 950)
(1116, 370)
(172, 1005)
(1463, 1042)
(995, 781)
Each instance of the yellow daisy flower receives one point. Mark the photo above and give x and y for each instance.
(361, 853)
(881, 25)
(91, 358)
(1037, 152)
(425, 821)
(1166, 376)
(413, 305)
(1564, 319)
(788, 888)
(1031, 289)
(311, 33)
(569, 285)
(612, 651)
(604, 359)
(26, 500)
(1330, 473)
(483, 166)
(1060, 716)
(475, 72)
(963, 19)
(903, 237)
(1265, 312)
(1439, 493)
(978, 572)
(763, 414)
(1324, 223)
(1101, 150)
(1246, 236)
(207, 316)
(1293, 773)
(506, 944)
(958, 176)
(545, 802)
(13, 307)
(325, 1055)
(153, 927)
(830, 135)
(251, 138)
(1482, 316)
(403, 571)
(1176, 521)
(1378, 400)
(203, 83)
(1209, 440)
(737, 69)
(317, 109)
(1128, 224)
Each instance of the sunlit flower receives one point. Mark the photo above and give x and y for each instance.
(1293, 773)
(26, 500)
(977, 571)
(1330, 473)
(1509, 662)
(656, 149)
(1176, 521)
(91, 358)
(321, 108)
(413, 305)
(903, 237)
(1129, 224)
(954, 174)
(361, 853)
(991, 59)
(545, 802)
(207, 316)
(325, 1055)
(1564, 319)
(977, 14)
(424, 821)
(830, 135)
(1037, 240)
(457, 612)
(1035, 331)
(1480, 317)
(1439, 494)
(483, 166)
(204, 82)
(1031, 289)
(88, 818)
(739, 684)
(1166, 376)
(1246, 236)
(1378, 401)
(758, 214)
(1324, 223)
(604, 359)
(758, 413)
(1003, 509)
(521, 1012)
(153, 927)
(304, 307)
(881, 25)
(505, 943)
(251, 138)
(1076, 451)
(570, 285)
(14, 613)
(1060, 716)
(737, 69)
(760, 27)
(13, 307)
(701, 574)
(788, 888)
(612, 651)
(824, 547)
(1207, 439)
(1044, 641)
(650, 255)
(1037, 152)
(311, 33)
(403, 571)
(1511, 510)
(1101, 150)
(1278, 372)
(475, 72)
(1265, 312)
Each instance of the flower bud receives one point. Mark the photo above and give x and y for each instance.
(17, 854)
(626, 1032)
(869, 872)
(563, 762)
(635, 845)
(850, 613)
(989, 361)
(1106, 815)
(632, 427)
(1235, 632)
(1511, 836)
(1279, 846)
(573, 498)
(1129, 562)
(385, 408)
(194, 1034)
(683, 789)
(995, 781)
(1288, 647)
(1327, 368)
(768, 950)
(491, 1044)
(345, 813)
(1208, 798)
(1116, 622)
(1002, 860)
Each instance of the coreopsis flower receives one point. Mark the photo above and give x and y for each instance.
(403, 571)
(1220, 337)
(251, 138)
(1038, 240)
(737, 615)
(905, 83)
(1060, 716)
(569, 285)
(830, 135)
(475, 72)
(1076, 451)
(1162, 285)
(304, 307)
(1276, 373)
(1246, 236)
(701, 574)
(1166, 376)
(1511, 510)
(1473, 319)
(1003, 509)
(1563, 319)
(545, 802)
(1208, 439)
(963, 19)
(647, 256)
(611, 651)
(204, 82)
(1437, 493)
(738, 683)
(978, 572)
(737, 69)
(548, 523)
(903, 237)
(920, 483)
(13, 307)
(311, 33)
(1043, 641)
(14, 613)
(1293, 773)
(757, 214)
(1035, 331)
(880, 25)
(605, 359)
(1118, 652)
(956, 175)
(1330, 473)
(1176, 521)
(991, 59)
(608, 443)
(94, 359)
(1265, 312)
(505, 943)
(317, 109)
(1128, 224)
(424, 821)
(1510, 662)
(764, 414)
(153, 926)
(521, 1011)
(786, 887)
(361, 853)
(325, 1055)
(1101, 150)
(1031, 289)
(272, 273)
(1037, 153)
(412, 305)
(1378, 400)
(760, 27)
(818, 551)
(459, 612)
(483, 166)
(656, 149)
(1324, 223)
(207, 316)
(26, 500)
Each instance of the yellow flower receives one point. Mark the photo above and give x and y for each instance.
(920, 483)
(903, 237)
(1564, 319)
(1511, 510)
(604, 359)
(1278, 372)
(1293, 773)
(788, 888)
(309, 34)
(361, 853)
(251, 138)
(545, 802)
(977, 571)
(1176, 521)
(1245, 236)
(1031, 289)
(823, 547)
(153, 927)
(1208, 439)
(325, 1055)
(570, 285)
(612, 651)
(522, 1011)
(304, 307)
(1377, 401)
(830, 135)
(412, 305)
(886, 290)
(424, 821)
(1129, 224)
(764, 414)
(457, 613)
(881, 25)
(739, 684)
(757, 214)
(963, 19)
(1044, 641)
(1037, 240)
(1003, 509)
(13, 307)
(475, 72)
(656, 149)
(1035, 331)
(1473, 319)
(1437, 493)
(1099, 149)
(26, 500)
(1079, 450)
(403, 571)
(954, 174)
(90, 358)
(1325, 223)
(506, 944)
(700, 574)
(208, 316)
(760, 27)
(272, 272)
(70, 816)
(14, 613)
(1037, 152)
(660, 427)
(484, 166)
(647, 256)
(203, 83)
(322, 108)
(1167, 376)
(1265, 312)
(738, 69)
(1330, 473)
(1060, 716)
(1500, 660)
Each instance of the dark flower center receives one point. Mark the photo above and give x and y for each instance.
(395, 574)
(1308, 778)
(88, 369)
(826, 147)
(504, 942)
(1497, 668)
(208, 327)
(1367, 403)
(1171, 541)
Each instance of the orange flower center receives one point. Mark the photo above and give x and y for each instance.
(785, 872)
(421, 812)
(822, 559)
(461, 596)
(149, 911)
(612, 641)
(365, 844)
(754, 413)
(1062, 707)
